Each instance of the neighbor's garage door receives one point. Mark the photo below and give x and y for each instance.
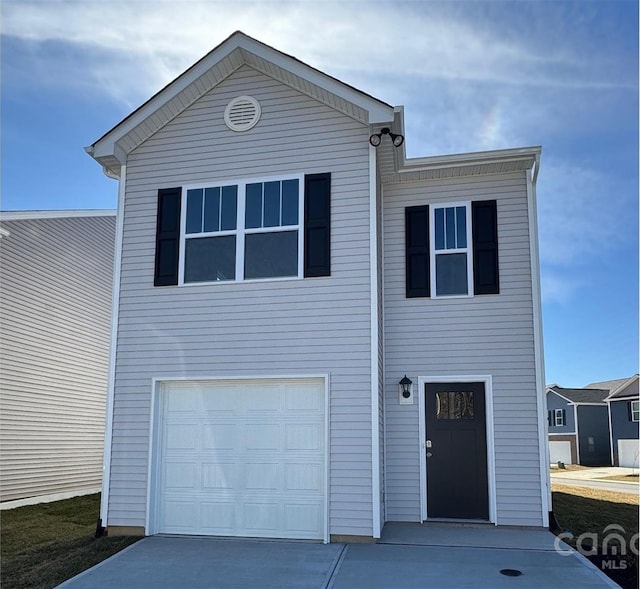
(628, 453)
(242, 458)
(560, 452)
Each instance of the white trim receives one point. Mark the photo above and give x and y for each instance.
(57, 214)
(575, 419)
(241, 231)
(158, 382)
(562, 417)
(117, 265)
(624, 385)
(379, 112)
(375, 401)
(487, 380)
(559, 395)
(541, 399)
(385, 493)
(47, 498)
(469, 159)
(632, 401)
(610, 433)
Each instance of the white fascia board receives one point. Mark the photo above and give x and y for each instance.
(55, 214)
(624, 385)
(378, 110)
(471, 158)
(569, 401)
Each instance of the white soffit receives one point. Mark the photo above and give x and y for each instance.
(238, 50)
(502, 161)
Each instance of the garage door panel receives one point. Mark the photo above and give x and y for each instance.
(262, 476)
(253, 466)
(220, 475)
(219, 436)
(262, 437)
(303, 477)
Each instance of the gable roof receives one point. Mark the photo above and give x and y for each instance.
(581, 396)
(617, 388)
(217, 65)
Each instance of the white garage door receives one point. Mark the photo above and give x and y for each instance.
(242, 458)
(628, 453)
(560, 452)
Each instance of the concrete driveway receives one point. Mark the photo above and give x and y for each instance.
(408, 556)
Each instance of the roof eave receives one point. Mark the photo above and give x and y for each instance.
(105, 148)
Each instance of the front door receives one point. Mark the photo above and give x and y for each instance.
(456, 451)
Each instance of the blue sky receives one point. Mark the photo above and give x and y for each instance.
(472, 76)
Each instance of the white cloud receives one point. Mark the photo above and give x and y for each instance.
(468, 79)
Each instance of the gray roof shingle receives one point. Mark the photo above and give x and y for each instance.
(589, 395)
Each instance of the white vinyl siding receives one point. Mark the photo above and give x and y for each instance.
(285, 327)
(56, 307)
(482, 335)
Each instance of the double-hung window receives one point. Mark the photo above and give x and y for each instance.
(242, 231)
(635, 410)
(451, 256)
(558, 417)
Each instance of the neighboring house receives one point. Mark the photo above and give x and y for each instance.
(278, 276)
(623, 404)
(55, 310)
(578, 426)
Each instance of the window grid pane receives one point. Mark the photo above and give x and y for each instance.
(290, 198)
(451, 274)
(253, 208)
(194, 210)
(450, 228)
(271, 214)
(229, 209)
(461, 227)
(439, 229)
(212, 209)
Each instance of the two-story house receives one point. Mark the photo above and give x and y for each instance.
(314, 334)
(578, 422)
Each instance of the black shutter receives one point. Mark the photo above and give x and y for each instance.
(629, 412)
(484, 221)
(564, 417)
(167, 237)
(550, 417)
(417, 251)
(317, 225)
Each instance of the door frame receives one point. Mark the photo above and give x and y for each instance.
(158, 386)
(491, 469)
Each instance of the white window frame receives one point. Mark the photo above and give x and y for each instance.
(635, 411)
(558, 419)
(433, 253)
(240, 231)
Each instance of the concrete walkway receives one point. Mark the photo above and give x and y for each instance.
(596, 478)
(408, 556)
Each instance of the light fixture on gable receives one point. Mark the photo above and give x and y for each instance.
(376, 138)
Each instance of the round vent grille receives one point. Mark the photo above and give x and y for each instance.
(242, 113)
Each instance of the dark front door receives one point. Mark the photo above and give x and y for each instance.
(456, 451)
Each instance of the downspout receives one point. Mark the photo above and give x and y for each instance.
(108, 433)
(543, 431)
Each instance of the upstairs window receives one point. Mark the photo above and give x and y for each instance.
(243, 231)
(451, 250)
(635, 410)
(559, 417)
(451, 261)
(247, 230)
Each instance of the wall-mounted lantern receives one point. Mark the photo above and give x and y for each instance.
(405, 389)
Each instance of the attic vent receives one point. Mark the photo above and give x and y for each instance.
(242, 113)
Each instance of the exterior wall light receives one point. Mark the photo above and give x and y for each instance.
(405, 387)
(376, 138)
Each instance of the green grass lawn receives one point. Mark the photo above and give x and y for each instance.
(43, 545)
(582, 510)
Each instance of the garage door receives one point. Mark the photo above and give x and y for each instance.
(628, 453)
(242, 458)
(560, 452)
